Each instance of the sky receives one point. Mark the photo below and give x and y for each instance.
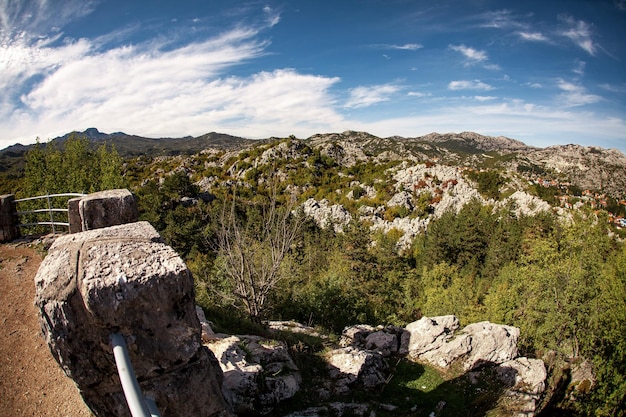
(543, 72)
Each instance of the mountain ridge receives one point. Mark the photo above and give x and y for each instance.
(590, 167)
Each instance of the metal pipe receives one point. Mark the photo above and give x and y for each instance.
(136, 402)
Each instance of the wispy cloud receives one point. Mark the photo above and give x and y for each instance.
(499, 19)
(575, 95)
(272, 17)
(367, 96)
(580, 33)
(474, 56)
(469, 85)
(619, 89)
(533, 36)
(407, 46)
(484, 98)
(145, 89)
(579, 68)
(397, 47)
(534, 124)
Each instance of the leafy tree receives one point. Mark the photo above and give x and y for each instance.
(489, 183)
(72, 167)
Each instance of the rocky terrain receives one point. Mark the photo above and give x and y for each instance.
(589, 167)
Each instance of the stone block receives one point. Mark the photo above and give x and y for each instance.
(9, 221)
(124, 279)
(107, 208)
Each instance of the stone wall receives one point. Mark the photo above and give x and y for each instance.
(124, 279)
(9, 229)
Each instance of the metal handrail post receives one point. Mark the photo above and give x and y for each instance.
(137, 404)
(54, 232)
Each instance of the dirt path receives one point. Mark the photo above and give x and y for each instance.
(31, 382)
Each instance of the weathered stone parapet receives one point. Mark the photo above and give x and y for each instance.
(9, 221)
(102, 209)
(124, 279)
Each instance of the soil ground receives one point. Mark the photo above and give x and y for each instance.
(31, 381)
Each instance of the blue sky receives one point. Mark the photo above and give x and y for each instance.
(544, 72)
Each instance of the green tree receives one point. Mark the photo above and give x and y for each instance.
(71, 167)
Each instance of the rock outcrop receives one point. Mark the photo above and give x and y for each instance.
(435, 340)
(124, 280)
(351, 367)
(326, 215)
(258, 373)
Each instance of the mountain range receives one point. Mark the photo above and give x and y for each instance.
(589, 167)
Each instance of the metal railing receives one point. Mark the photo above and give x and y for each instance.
(138, 405)
(49, 209)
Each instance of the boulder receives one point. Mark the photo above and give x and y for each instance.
(292, 327)
(351, 367)
(526, 381)
(258, 373)
(355, 335)
(490, 343)
(385, 340)
(434, 340)
(426, 334)
(125, 280)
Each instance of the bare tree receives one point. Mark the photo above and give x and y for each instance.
(251, 252)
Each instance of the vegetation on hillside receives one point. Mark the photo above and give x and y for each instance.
(560, 279)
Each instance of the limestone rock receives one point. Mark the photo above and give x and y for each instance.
(325, 215)
(205, 325)
(103, 209)
(526, 204)
(428, 333)
(402, 199)
(351, 367)
(384, 340)
(293, 327)
(434, 340)
(355, 335)
(526, 379)
(123, 279)
(258, 373)
(490, 343)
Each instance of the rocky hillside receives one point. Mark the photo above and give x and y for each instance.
(593, 168)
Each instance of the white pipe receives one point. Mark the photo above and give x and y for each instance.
(136, 402)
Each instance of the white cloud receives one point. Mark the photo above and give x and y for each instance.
(367, 96)
(272, 17)
(580, 33)
(472, 55)
(533, 36)
(407, 46)
(485, 98)
(469, 85)
(579, 68)
(151, 92)
(575, 95)
(619, 89)
(533, 124)
(40, 17)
